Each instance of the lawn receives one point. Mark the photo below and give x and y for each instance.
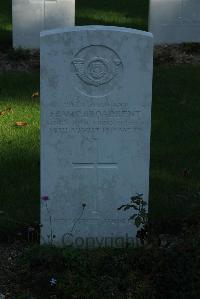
(108, 273)
(5, 22)
(175, 144)
(127, 13)
(19, 147)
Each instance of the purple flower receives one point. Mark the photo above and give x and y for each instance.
(45, 197)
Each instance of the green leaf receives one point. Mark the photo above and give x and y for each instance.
(133, 217)
(121, 207)
(138, 221)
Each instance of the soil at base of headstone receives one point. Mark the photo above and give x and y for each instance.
(19, 60)
(9, 269)
(171, 55)
(177, 54)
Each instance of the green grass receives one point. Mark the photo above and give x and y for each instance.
(106, 273)
(127, 13)
(5, 22)
(175, 146)
(19, 148)
(175, 143)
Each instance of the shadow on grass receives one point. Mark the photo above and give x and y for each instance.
(175, 146)
(5, 23)
(130, 7)
(172, 202)
(19, 148)
(18, 86)
(117, 21)
(113, 13)
(19, 176)
(6, 39)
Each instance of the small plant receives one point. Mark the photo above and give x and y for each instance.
(66, 236)
(140, 217)
(139, 205)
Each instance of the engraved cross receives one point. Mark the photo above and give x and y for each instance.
(95, 165)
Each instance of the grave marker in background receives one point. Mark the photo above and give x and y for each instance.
(96, 89)
(30, 17)
(175, 21)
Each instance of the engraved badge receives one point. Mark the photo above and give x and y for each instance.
(96, 69)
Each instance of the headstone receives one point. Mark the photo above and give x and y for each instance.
(96, 89)
(30, 17)
(175, 21)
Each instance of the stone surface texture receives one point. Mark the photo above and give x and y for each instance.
(96, 92)
(175, 21)
(30, 17)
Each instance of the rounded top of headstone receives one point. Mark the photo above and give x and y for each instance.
(96, 28)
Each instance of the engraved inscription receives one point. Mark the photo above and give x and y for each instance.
(106, 119)
(95, 70)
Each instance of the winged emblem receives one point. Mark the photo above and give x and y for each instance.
(97, 71)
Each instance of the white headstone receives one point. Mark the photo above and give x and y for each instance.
(96, 89)
(175, 21)
(30, 17)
